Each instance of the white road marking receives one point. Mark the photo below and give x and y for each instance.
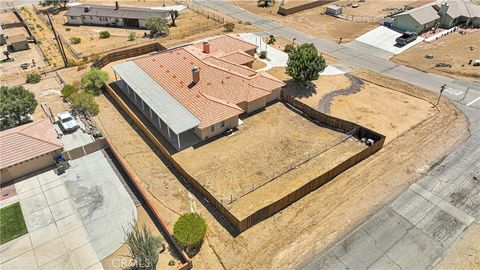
(453, 91)
(473, 101)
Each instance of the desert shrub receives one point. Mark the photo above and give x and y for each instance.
(157, 26)
(229, 27)
(68, 90)
(144, 248)
(75, 40)
(288, 47)
(132, 36)
(271, 39)
(263, 54)
(83, 101)
(189, 231)
(104, 34)
(68, 29)
(33, 77)
(94, 80)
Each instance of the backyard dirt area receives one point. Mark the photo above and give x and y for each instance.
(454, 49)
(378, 107)
(312, 21)
(309, 225)
(377, 8)
(464, 253)
(264, 147)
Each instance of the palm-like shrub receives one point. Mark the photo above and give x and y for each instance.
(144, 248)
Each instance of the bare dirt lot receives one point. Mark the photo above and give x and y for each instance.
(454, 49)
(265, 146)
(312, 22)
(309, 225)
(378, 107)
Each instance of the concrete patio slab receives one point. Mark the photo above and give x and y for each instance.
(38, 219)
(83, 257)
(26, 183)
(34, 203)
(49, 251)
(44, 235)
(56, 194)
(68, 224)
(25, 261)
(62, 209)
(384, 38)
(61, 263)
(15, 248)
(75, 239)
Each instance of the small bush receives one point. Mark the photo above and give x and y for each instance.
(94, 80)
(271, 40)
(75, 40)
(33, 78)
(189, 230)
(68, 90)
(83, 101)
(144, 248)
(288, 47)
(104, 34)
(263, 54)
(229, 27)
(68, 29)
(132, 36)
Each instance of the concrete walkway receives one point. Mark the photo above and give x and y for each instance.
(74, 220)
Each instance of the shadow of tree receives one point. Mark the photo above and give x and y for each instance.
(297, 90)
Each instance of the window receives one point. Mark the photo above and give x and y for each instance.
(117, 20)
(217, 126)
(72, 18)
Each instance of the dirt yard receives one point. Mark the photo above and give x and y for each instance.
(464, 254)
(265, 146)
(455, 49)
(379, 107)
(378, 8)
(312, 22)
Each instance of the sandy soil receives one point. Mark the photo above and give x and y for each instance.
(443, 53)
(257, 64)
(378, 107)
(465, 252)
(120, 260)
(47, 91)
(294, 234)
(312, 22)
(378, 8)
(230, 167)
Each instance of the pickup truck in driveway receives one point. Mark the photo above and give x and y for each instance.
(66, 122)
(406, 38)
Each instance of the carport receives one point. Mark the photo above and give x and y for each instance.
(156, 103)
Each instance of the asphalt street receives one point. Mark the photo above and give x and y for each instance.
(415, 230)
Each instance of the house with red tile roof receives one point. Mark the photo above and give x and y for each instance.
(202, 87)
(28, 148)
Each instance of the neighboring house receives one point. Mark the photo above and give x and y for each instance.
(131, 17)
(202, 87)
(28, 148)
(9, 20)
(445, 14)
(17, 43)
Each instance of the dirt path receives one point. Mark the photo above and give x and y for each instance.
(309, 225)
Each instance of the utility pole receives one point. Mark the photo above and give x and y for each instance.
(442, 88)
(59, 43)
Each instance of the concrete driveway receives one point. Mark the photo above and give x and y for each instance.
(74, 220)
(384, 38)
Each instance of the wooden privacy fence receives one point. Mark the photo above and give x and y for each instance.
(271, 209)
(86, 149)
(124, 54)
(282, 10)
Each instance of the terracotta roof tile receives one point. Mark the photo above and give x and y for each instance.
(27, 141)
(226, 44)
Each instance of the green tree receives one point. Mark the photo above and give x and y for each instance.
(132, 36)
(144, 248)
(83, 101)
(271, 39)
(33, 78)
(7, 54)
(104, 34)
(173, 15)
(189, 230)
(157, 25)
(68, 90)
(16, 104)
(304, 63)
(75, 40)
(229, 27)
(94, 80)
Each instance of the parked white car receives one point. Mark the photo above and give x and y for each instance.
(66, 122)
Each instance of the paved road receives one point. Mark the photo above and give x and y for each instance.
(414, 230)
(5, 4)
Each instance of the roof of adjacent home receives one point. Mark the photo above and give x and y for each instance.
(8, 18)
(422, 15)
(121, 12)
(459, 8)
(28, 141)
(223, 84)
(16, 39)
(226, 44)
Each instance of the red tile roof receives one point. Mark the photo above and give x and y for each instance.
(227, 44)
(222, 86)
(27, 141)
(239, 57)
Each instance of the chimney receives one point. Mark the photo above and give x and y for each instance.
(195, 75)
(116, 5)
(206, 47)
(443, 12)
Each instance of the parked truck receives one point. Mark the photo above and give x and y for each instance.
(406, 38)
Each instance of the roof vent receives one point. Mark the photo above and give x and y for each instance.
(206, 47)
(195, 75)
(87, 8)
